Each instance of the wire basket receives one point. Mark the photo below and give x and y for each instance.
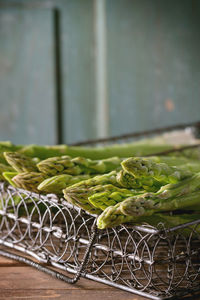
(155, 262)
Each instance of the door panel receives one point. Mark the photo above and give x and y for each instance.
(27, 91)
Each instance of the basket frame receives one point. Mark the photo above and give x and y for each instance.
(81, 270)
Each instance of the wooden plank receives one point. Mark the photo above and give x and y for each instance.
(27, 76)
(78, 80)
(24, 277)
(5, 262)
(69, 294)
(101, 68)
(153, 63)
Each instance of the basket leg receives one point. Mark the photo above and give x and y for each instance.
(55, 274)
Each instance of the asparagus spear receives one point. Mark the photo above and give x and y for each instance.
(173, 160)
(7, 146)
(57, 183)
(76, 166)
(20, 162)
(129, 181)
(183, 195)
(81, 201)
(132, 209)
(119, 150)
(140, 148)
(185, 164)
(9, 176)
(112, 217)
(104, 190)
(140, 167)
(84, 189)
(29, 180)
(106, 195)
(78, 193)
(164, 198)
(4, 168)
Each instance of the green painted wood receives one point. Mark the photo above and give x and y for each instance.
(150, 60)
(78, 70)
(27, 85)
(153, 63)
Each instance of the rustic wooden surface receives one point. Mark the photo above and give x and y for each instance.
(19, 281)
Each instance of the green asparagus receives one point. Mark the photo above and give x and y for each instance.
(78, 193)
(57, 183)
(183, 195)
(8, 176)
(135, 208)
(29, 180)
(7, 146)
(106, 195)
(95, 153)
(129, 181)
(20, 162)
(86, 188)
(104, 190)
(76, 166)
(141, 167)
(4, 168)
(111, 218)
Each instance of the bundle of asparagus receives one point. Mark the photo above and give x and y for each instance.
(175, 187)
(53, 174)
(182, 195)
(118, 190)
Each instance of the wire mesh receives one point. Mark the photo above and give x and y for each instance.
(155, 262)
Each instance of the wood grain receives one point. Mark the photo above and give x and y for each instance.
(18, 281)
(68, 294)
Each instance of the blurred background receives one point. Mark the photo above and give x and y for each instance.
(72, 70)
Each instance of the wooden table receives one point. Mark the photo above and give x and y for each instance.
(19, 281)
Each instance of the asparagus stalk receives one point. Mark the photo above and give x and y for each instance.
(183, 195)
(129, 181)
(108, 189)
(9, 176)
(111, 218)
(185, 164)
(81, 191)
(173, 160)
(57, 183)
(140, 167)
(106, 195)
(20, 162)
(119, 150)
(140, 148)
(165, 198)
(81, 201)
(76, 166)
(4, 168)
(78, 193)
(29, 180)
(133, 209)
(7, 146)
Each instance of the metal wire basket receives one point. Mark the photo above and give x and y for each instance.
(155, 262)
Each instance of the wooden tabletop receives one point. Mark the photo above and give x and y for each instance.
(19, 281)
